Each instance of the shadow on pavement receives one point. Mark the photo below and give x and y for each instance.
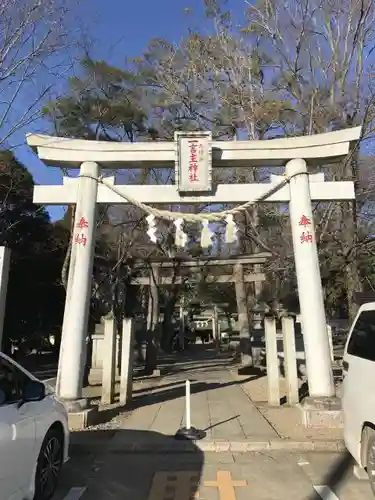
(170, 392)
(179, 391)
(98, 464)
(198, 368)
(337, 474)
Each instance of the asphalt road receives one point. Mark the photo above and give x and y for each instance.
(212, 476)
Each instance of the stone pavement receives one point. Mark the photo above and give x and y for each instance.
(286, 420)
(219, 404)
(231, 409)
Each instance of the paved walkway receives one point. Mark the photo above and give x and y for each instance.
(219, 405)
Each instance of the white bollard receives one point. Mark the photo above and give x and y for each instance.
(189, 433)
(187, 406)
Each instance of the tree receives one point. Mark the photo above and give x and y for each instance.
(37, 44)
(35, 297)
(102, 104)
(322, 53)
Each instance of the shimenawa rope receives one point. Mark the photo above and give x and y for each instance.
(171, 216)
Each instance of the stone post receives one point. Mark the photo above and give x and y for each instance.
(4, 276)
(258, 287)
(290, 360)
(127, 354)
(77, 304)
(181, 330)
(313, 319)
(109, 360)
(243, 319)
(330, 340)
(216, 328)
(273, 383)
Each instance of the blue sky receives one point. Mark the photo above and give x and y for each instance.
(120, 28)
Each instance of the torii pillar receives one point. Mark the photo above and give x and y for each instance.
(310, 292)
(77, 304)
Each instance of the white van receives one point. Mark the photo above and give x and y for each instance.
(358, 395)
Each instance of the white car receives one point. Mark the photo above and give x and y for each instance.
(34, 435)
(358, 395)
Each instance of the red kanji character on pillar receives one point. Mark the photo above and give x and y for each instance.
(80, 239)
(306, 237)
(304, 221)
(82, 224)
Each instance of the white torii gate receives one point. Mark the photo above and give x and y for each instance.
(88, 189)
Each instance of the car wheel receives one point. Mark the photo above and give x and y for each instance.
(370, 462)
(49, 465)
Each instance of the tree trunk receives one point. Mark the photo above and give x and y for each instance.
(168, 330)
(243, 320)
(353, 282)
(350, 237)
(152, 321)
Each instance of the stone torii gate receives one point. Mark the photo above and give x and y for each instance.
(193, 155)
(238, 276)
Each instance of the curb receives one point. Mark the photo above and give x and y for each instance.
(172, 446)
